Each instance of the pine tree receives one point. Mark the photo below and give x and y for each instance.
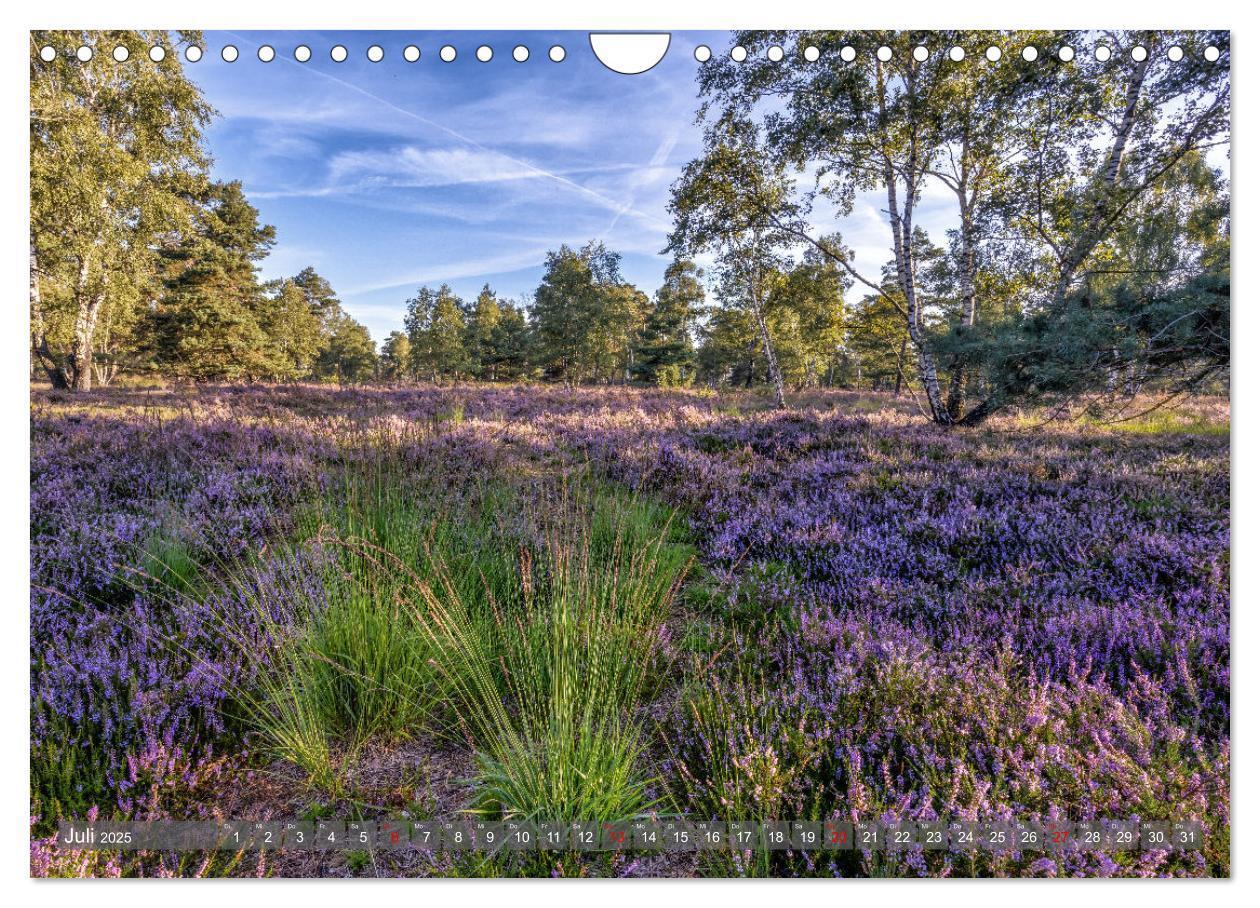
(209, 321)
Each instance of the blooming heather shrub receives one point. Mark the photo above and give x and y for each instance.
(847, 724)
(121, 664)
(963, 589)
(108, 693)
(100, 488)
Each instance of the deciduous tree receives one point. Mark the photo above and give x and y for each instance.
(116, 160)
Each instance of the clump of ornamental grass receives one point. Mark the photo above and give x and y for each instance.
(548, 680)
(537, 614)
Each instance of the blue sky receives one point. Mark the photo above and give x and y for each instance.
(385, 176)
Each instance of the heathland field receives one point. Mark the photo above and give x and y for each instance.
(553, 604)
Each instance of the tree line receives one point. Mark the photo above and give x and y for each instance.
(141, 263)
(585, 324)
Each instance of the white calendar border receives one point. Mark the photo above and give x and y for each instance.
(637, 14)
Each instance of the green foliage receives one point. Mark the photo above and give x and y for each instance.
(547, 678)
(479, 342)
(349, 354)
(216, 321)
(116, 157)
(877, 346)
(804, 317)
(585, 317)
(436, 328)
(509, 356)
(209, 321)
(319, 295)
(346, 352)
(664, 353)
(1126, 337)
(294, 332)
(396, 356)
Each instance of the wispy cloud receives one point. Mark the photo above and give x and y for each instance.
(418, 167)
(445, 271)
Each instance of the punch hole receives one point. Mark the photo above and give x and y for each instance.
(520, 53)
(447, 53)
(411, 53)
(266, 53)
(848, 53)
(739, 53)
(157, 53)
(339, 54)
(376, 53)
(1211, 54)
(1029, 53)
(993, 53)
(229, 53)
(812, 54)
(84, 53)
(702, 54)
(557, 53)
(629, 53)
(301, 53)
(957, 54)
(884, 54)
(920, 53)
(1066, 54)
(48, 53)
(121, 54)
(485, 53)
(1138, 53)
(774, 53)
(1175, 53)
(1102, 53)
(192, 53)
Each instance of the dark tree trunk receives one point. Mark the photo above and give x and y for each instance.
(39, 339)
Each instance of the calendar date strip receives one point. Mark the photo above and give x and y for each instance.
(632, 835)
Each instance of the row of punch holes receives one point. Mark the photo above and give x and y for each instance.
(556, 53)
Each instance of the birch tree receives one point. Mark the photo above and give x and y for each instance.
(732, 203)
(1093, 154)
(115, 156)
(1044, 156)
